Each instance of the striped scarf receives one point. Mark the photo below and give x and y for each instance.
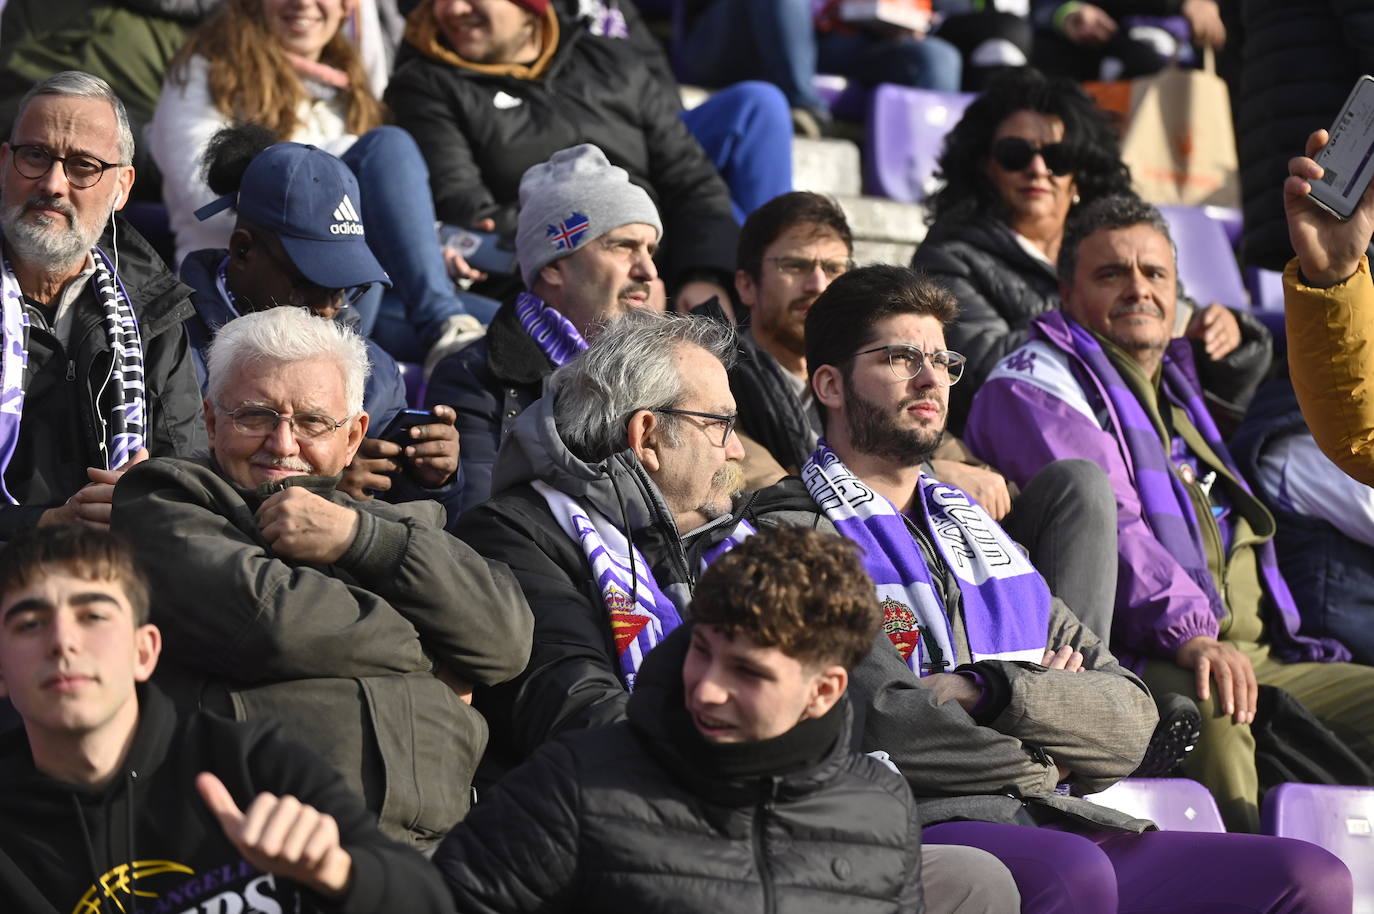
(641, 613)
(553, 333)
(1164, 500)
(123, 388)
(1006, 604)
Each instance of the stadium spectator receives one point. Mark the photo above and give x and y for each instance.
(744, 703)
(983, 689)
(1200, 600)
(787, 42)
(1097, 41)
(96, 373)
(264, 62)
(490, 88)
(606, 522)
(790, 250)
(287, 249)
(1329, 310)
(99, 807)
(585, 244)
(356, 625)
(1026, 153)
(1324, 537)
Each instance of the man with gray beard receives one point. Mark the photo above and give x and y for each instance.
(95, 374)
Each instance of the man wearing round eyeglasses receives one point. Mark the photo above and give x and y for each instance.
(94, 374)
(357, 625)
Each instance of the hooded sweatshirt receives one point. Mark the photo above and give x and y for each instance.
(145, 843)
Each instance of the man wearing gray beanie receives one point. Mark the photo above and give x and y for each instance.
(585, 241)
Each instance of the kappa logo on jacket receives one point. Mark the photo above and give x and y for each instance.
(502, 100)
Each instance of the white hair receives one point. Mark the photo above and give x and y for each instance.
(285, 335)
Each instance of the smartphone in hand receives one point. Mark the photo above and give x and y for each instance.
(1348, 156)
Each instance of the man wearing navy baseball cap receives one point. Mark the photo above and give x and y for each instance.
(301, 240)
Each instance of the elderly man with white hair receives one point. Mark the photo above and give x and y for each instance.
(358, 625)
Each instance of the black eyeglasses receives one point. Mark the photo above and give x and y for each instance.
(801, 266)
(1015, 153)
(725, 423)
(82, 171)
(262, 421)
(906, 362)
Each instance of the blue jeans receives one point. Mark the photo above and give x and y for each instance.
(399, 214)
(776, 40)
(746, 131)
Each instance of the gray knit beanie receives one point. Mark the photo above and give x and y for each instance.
(571, 200)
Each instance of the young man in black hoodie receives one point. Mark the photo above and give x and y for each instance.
(109, 802)
(733, 785)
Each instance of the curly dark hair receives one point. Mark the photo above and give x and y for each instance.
(968, 193)
(803, 592)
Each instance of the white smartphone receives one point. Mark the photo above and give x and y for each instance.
(1348, 156)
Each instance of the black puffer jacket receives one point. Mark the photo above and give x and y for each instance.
(1001, 288)
(1298, 63)
(479, 132)
(489, 384)
(64, 413)
(638, 817)
(769, 411)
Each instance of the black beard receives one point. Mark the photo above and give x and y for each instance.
(875, 432)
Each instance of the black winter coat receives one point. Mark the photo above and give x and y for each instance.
(60, 432)
(637, 816)
(479, 133)
(1001, 288)
(489, 384)
(769, 411)
(1298, 63)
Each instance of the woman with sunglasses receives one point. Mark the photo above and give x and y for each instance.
(289, 66)
(1027, 152)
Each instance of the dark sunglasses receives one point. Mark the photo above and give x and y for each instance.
(1014, 154)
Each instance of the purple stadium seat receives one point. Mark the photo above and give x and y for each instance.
(414, 376)
(1231, 220)
(1340, 819)
(906, 132)
(1266, 289)
(1174, 804)
(1206, 263)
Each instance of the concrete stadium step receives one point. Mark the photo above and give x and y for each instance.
(880, 219)
(893, 252)
(827, 166)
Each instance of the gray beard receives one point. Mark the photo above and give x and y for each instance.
(38, 245)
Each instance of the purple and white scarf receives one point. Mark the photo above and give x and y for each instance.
(123, 387)
(1006, 604)
(553, 333)
(1164, 500)
(640, 612)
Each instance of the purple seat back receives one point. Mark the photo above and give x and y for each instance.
(1206, 263)
(1340, 819)
(1174, 804)
(1266, 288)
(906, 133)
(414, 376)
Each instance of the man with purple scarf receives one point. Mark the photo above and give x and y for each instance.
(95, 373)
(986, 692)
(1201, 606)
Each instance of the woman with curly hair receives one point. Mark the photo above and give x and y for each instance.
(1027, 151)
(286, 65)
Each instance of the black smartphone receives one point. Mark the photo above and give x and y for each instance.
(398, 430)
(1348, 156)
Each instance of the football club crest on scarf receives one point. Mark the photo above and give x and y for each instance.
(567, 234)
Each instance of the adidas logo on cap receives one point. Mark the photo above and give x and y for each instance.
(349, 222)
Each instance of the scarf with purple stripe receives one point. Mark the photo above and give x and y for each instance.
(1164, 500)
(122, 388)
(641, 614)
(553, 333)
(1006, 605)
